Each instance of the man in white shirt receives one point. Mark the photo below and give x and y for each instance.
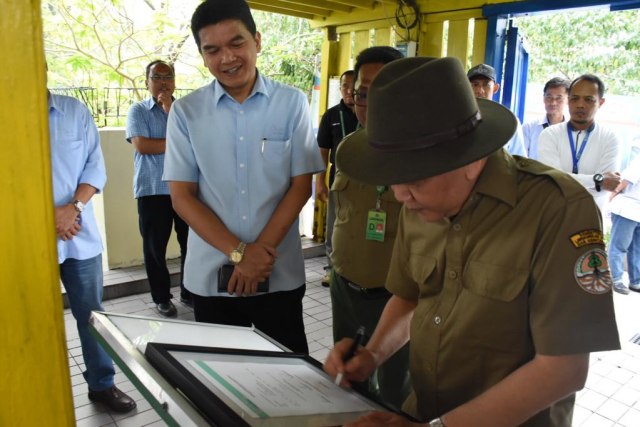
(555, 96)
(588, 151)
(625, 229)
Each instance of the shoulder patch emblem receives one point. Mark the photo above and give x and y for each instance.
(592, 272)
(587, 237)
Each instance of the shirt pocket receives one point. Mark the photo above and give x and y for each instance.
(422, 269)
(496, 282)
(69, 155)
(277, 152)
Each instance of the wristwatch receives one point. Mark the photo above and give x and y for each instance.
(236, 255)
(436, 422)
(598, 179)
(78, 205)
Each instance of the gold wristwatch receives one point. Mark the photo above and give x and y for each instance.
(236, 255)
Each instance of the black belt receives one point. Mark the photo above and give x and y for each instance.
(364, 291)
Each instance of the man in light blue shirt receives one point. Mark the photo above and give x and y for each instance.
(556, 96)
(78, 172)
(240, 158)
(146, 131)
(483, 82)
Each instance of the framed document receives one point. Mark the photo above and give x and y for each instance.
(233, 387)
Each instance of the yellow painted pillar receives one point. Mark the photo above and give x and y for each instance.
(382, 37)
(431, 40)
(344, 51)
(327, 66)
(479, 41)
(458, 41)
(35, 388)
(361, 42)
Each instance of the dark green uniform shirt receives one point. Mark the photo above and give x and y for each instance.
(521, 270)
(361, 261)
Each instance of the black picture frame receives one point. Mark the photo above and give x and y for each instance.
(171, 361)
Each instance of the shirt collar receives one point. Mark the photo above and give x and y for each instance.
(53, 104)
(259, 86)
(499, 178)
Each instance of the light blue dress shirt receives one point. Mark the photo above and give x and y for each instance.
(76, 158)
(531, 131)
(147, 119)
(242, 156)
(516, 143)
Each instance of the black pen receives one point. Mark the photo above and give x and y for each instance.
(357, 342)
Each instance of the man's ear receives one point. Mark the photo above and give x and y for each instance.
(496, 88)
(258, 39)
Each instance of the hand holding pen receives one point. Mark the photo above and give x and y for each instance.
(357, 342)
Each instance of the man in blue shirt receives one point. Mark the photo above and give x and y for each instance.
(146, 131)
(78, 172)
(555, 97)
(240, 158)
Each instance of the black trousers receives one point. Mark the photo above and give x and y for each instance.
(156, 217)
(277, 314)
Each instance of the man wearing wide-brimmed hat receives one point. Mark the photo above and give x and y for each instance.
(499, 276)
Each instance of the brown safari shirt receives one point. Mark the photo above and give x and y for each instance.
(499, 283)
(361, 261)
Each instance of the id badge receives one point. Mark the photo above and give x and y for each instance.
(376, 224)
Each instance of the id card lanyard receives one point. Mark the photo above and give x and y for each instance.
(576, 153)
(377, 218)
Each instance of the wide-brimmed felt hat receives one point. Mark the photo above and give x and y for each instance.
(422, 120)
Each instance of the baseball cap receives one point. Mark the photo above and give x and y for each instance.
(482, 70)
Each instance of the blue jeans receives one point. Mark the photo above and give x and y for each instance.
(625, 239)
(83, 281)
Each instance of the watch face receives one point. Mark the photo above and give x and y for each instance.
(235, 257)
(598, 177)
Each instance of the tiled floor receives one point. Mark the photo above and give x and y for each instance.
(610, 398)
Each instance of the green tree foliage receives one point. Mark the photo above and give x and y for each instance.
(598, 41)
(107, 43)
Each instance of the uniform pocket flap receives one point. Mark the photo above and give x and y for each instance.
(498, 282)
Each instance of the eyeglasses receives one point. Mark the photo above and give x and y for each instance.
(551, 98)
(157, 77)
(360, 97)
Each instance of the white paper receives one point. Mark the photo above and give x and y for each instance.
(271, 389)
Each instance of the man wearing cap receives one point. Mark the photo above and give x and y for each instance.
(555, 94)
(500, 326)
(483, 82)
(363, 237)
(587, 150)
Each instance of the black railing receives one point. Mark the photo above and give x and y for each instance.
(112, 107)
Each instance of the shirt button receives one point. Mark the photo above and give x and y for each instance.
(453, 274)
(241, 111)
(242, 192)
(457, 227)
(242, 138)
(241, 165)
(437, 320)
(244, 217)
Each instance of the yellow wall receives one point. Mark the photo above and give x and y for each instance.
(122, 241)
(35, 387)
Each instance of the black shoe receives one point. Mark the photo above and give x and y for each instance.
(114, 398)
(188, 301)
(167, 309)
